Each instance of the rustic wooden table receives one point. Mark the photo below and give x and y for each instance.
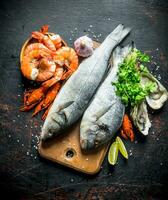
(23, 174)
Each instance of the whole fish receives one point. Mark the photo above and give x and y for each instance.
(75, 95)
(104, 115)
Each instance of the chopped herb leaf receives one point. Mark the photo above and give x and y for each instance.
(128, 86)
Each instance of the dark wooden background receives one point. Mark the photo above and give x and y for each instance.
(23, 174)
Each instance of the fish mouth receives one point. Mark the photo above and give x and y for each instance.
(95, 136)
(47, 134)
(93, 141)
(54, 127)
(46, 137)
(87, 144)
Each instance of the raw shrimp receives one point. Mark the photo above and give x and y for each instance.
(38, 65)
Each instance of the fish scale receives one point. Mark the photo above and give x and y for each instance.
(77, 92)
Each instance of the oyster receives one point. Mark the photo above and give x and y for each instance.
(139, 115)
(156, 98)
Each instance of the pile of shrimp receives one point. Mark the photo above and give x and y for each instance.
(48, 61)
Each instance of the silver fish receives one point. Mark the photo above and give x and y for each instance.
(104, 115)
(75, 95)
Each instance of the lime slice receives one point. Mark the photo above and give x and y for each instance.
(113, 153)
(121, 147)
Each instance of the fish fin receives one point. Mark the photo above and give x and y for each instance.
(119, 33)
(106, 73)
(64, 105)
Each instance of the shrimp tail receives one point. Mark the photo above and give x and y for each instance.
(46, 113)
(38, 108)
(37, 35)
(44, 29)
(49, 98)
(26, 108)
(57, 77)
(66, 75)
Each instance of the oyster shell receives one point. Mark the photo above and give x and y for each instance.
(157, 98)
(139, 115)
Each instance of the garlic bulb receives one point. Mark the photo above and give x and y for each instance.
(84, 46)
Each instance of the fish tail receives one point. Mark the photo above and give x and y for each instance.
(119, 33)
(120, 53)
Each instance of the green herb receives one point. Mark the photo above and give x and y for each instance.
(142, 56)
(128, 86)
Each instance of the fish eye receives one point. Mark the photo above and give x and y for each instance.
(96, 142)
(103, 127)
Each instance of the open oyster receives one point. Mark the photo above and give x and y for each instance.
(139, 115)
(156, 98)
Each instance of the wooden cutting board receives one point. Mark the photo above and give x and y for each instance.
(65, 149)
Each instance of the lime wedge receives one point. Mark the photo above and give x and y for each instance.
(113, 153)
(121, 147)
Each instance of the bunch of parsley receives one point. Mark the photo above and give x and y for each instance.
(128, 86)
